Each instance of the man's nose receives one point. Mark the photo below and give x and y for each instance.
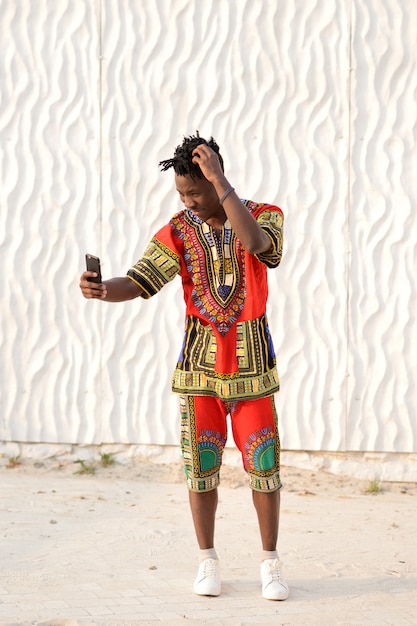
(189, 203)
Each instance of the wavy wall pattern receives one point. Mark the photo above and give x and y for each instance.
(383, 295)
(49, 125)
(311, 112)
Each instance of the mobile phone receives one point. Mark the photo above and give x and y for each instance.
(93, 265)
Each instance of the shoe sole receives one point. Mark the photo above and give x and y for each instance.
(266, 597)
(212, 594)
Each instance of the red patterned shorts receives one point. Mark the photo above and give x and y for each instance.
(204, 434)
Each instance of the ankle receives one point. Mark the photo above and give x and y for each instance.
(208, 553)
(269, 554)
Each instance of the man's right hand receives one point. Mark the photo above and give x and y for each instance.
(118, 289)
(90, 289)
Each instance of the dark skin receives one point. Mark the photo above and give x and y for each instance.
(201, 196)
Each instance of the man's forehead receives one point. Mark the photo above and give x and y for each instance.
(186, 183)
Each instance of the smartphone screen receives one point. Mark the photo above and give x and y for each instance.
(93, 265)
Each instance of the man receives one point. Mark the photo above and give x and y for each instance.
(221, 247)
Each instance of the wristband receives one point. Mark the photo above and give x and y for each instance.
(226, 193)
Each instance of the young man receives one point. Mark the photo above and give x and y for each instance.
(221, 247)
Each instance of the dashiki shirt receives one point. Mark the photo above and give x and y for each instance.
(227, 350)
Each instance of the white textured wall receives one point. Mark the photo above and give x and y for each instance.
(382, 338)
(314, 107)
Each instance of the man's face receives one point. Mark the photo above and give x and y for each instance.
(200, 197)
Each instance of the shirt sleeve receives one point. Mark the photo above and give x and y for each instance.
(158, 266)
(271, 220)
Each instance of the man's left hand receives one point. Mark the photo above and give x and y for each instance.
(209, 162)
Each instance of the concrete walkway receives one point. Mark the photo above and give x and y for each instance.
(119, 550)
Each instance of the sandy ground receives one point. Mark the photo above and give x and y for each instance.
(117, 547)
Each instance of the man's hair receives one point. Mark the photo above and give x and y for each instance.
(183, 155)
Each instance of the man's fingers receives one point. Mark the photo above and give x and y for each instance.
(87, 274)
(90, 289)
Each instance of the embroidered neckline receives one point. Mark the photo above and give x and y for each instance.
(215, 264)
(220, 249)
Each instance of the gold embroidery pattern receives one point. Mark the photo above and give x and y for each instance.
(227, 388)
(216, 267)
(257, 375)
(158, 266)
(198, 478)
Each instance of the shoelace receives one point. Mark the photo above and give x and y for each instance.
(209, 569)
(274, 571)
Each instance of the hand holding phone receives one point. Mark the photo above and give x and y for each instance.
(93, 265)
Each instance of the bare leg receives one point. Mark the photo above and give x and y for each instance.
(267, 508)
(203, 509)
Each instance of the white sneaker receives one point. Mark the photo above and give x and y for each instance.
(274, 585)
(207, 582)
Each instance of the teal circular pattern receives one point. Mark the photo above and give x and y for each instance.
(264, 456)
(260, 450)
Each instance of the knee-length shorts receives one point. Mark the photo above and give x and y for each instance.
(204, 433)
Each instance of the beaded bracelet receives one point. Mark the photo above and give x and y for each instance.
(226, 193)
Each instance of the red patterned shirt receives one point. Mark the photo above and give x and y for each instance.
(227, 349)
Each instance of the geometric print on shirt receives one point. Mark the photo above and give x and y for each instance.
(155, 269)
(257, 376)
(215, 263)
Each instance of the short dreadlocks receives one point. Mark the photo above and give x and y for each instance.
(183, 155)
